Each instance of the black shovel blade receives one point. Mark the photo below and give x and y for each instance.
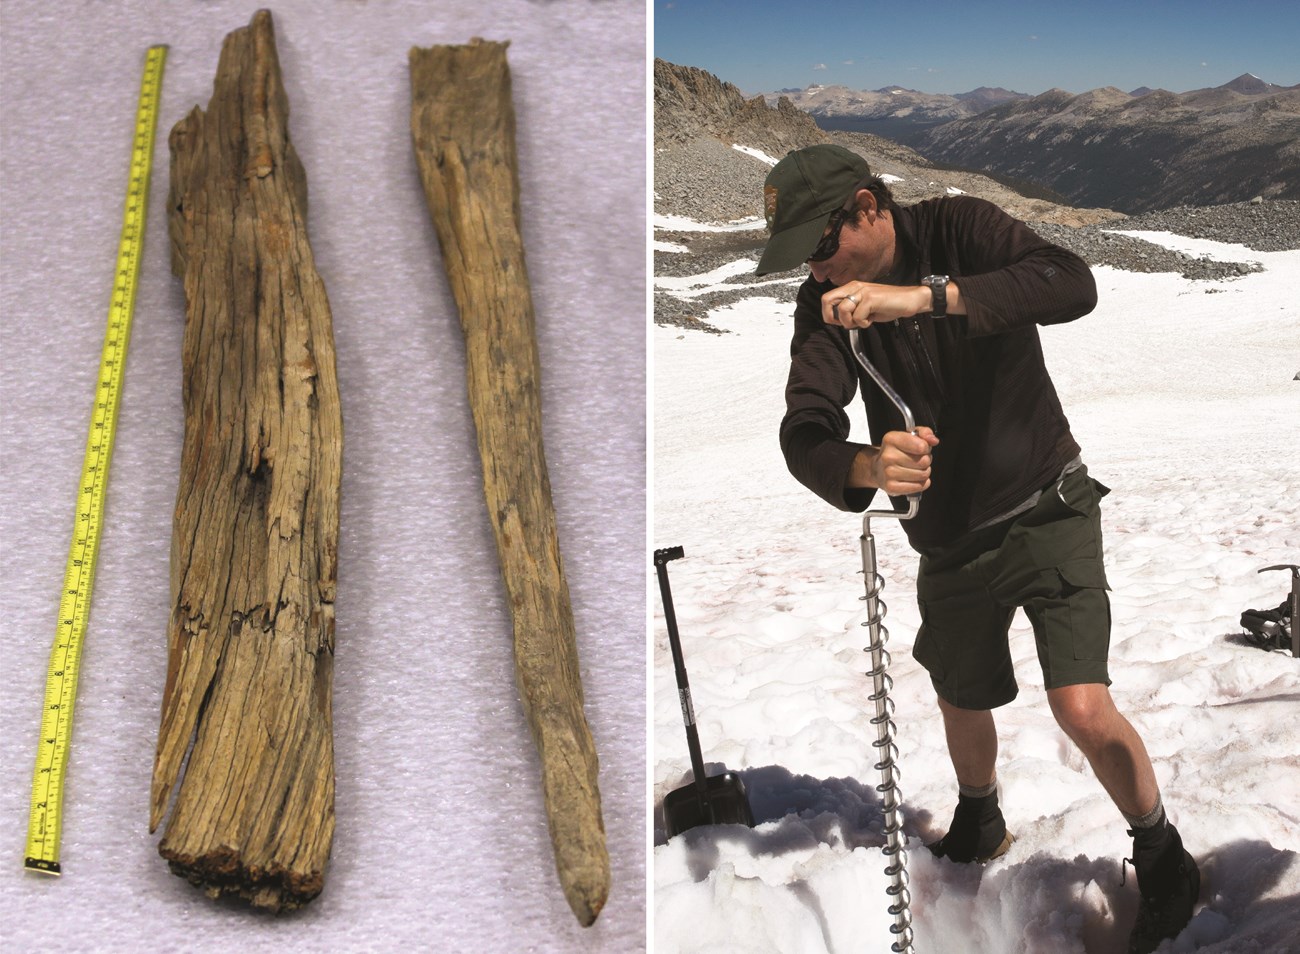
(727, 805)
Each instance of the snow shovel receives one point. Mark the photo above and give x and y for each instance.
(708, 800)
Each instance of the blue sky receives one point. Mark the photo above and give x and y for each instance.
(946, 46)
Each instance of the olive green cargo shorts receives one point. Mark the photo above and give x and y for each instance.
(1047, 560)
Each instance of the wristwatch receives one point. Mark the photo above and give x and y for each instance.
(938, 285)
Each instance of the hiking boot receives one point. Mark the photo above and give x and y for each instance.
(978, 832)
(1169, 883)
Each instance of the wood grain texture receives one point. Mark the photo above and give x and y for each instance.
(245, 750)
(463, 125)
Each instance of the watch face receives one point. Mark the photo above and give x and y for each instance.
(935, 280)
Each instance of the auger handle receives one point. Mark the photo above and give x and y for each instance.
(909, 423)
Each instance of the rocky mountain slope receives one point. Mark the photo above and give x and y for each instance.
(690, 102)
(710, 142)
(714, 147)
(698, 118)
(1138, 153)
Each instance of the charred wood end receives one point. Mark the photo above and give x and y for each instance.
(244, 769)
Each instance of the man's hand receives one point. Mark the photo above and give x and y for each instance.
(899, 466)
(859, 304)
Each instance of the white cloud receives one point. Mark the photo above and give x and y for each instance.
(819, 66)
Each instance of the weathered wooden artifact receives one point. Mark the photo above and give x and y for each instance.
(463, 124)
(255, 538)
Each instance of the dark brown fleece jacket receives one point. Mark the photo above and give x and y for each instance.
(977, 379)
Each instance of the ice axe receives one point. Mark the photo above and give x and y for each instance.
(708, 800)
(1277, 629)
(891, 798)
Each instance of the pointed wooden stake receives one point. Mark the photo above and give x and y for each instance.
(463, 123)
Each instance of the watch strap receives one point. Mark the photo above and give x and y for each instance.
(938, 285)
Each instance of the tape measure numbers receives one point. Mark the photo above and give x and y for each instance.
(45, 823)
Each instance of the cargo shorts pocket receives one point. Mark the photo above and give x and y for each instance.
(1070, 613)
(962, 643)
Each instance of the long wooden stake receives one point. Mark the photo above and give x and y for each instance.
(463, 124)
(255, 540)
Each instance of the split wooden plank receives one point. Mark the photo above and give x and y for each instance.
(463, 125)
(245, 744)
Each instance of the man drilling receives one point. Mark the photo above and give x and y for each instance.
(949, 293)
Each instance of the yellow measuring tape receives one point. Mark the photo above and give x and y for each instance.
(74, 607)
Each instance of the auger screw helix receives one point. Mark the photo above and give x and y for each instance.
(894, 851)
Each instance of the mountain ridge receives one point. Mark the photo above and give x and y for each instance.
(1246, 83)
(1136, 154)
(1132, 151)
(700, 173)
(713, 149)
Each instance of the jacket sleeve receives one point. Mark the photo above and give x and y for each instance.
(823, 380)
(1010, 276)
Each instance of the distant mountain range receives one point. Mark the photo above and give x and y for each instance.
(713, 147)
(829, 104)
(1134, 152)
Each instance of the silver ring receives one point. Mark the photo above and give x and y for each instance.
(854, 299)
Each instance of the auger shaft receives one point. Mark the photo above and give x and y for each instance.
(881, 684)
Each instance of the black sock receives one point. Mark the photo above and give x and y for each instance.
(977, 829)
(1152, 838)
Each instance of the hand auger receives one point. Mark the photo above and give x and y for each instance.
(894, 851)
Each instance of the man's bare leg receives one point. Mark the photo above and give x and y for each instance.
(972, 744)
(1113, 748)
(1168, 879)
(978, 831)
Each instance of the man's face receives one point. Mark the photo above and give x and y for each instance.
(865, 252)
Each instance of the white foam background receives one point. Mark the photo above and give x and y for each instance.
(441, 841)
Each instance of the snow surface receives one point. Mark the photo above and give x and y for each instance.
(1181, 394)
(678, 223)
(441, 841)
(673, 247)
(756, 153)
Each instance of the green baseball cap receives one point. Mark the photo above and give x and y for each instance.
(800, 193)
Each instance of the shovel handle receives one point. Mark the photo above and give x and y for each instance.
(909, 424)
(668, 553)
(661, 558)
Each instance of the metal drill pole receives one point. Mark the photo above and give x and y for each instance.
(881, 682)
(891, 798)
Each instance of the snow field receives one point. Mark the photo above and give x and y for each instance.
(1181, 394)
